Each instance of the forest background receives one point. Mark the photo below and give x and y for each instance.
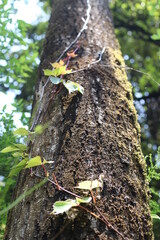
(137, 27)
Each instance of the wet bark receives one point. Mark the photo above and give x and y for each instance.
(87, 136)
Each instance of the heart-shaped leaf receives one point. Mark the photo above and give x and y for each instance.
(36, 161)
(55, 80)
(63, 206)
(73, 86)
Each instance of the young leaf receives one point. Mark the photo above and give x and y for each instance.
(71, 54)
(9, 149)
(22, 132)
(89, 185)
(83, 200)
(55, 80)
(36, 161)
(57, 71)
(63, 206)
(16, 169)
(57, 65)
(72, 87)
(48, 72)
(61, 71)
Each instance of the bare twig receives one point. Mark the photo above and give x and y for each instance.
(108, 223)
(117, 66)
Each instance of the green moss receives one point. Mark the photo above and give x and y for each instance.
(117, 62)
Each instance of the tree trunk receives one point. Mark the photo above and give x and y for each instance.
(88, 136)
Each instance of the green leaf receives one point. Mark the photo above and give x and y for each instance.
(48, 72)
(63, 206)
(72, 86)
(9, 149)
(36, 161)
(83, 200)
(57, 71)
(17, 154)
(22, 132)
(155, 216)
(16, 169)
(89, 185)
(22, 147)
(55, 80)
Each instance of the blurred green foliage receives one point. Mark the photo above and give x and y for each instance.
(20, 49)
(6, 161)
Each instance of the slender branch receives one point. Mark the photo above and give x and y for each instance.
(93, 214)
(61, 188)
(103, 219)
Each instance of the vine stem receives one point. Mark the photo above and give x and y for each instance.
(39, 110)
(103, 219)
(80, 32)
(108, 223)
(117, 66)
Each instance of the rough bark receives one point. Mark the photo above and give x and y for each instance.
(87, 136)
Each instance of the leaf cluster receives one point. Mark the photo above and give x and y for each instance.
(60, 69)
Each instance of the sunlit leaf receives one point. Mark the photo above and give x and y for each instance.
(21, 132)
(83, 200)
(63, 206)
(61, 71)
(36, 161)
(72, 87)
(57, 71)
(48, 72)
(9, 149)
(57, 65)
(89, 185)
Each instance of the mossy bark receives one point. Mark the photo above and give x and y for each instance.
(87, 136)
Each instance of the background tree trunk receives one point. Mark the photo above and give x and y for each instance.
(87, 136)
